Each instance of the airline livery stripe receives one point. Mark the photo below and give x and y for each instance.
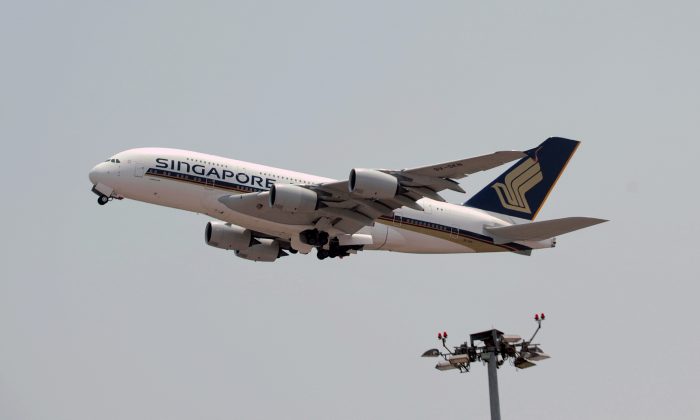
(200, 180)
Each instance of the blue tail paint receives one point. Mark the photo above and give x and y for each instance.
(523, 188)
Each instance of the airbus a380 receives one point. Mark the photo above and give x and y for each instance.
(264, 213)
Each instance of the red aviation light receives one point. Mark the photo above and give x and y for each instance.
(439, 336)
(542, 316)
(537, 317)
(444, 334)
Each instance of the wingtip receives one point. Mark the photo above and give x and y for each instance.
(591, 221)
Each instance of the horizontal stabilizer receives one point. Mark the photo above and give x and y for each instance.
(539, 231)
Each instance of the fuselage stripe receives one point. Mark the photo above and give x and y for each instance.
(203, 181)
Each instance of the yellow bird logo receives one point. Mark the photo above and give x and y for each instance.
(517, 182)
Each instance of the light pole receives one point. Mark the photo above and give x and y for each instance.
(496, 348)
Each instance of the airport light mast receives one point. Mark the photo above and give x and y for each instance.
(496, 348)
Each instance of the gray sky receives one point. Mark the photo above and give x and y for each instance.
(122, 311)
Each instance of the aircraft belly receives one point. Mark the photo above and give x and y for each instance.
(164, 192)
(379, 234)
(409, 239)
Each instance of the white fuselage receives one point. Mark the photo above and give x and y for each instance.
(195, 181)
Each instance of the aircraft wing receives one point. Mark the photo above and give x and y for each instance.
(461, 168)
(427, 181)
(341, 208)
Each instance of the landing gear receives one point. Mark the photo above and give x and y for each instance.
(104, 194)
(322, 254)
(335, 250)
(314, 237)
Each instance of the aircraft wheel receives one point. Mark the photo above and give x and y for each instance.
(321, 254)
(102, 200)
(308, 237)
(322, 238)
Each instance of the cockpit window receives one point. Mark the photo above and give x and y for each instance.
(113, 160)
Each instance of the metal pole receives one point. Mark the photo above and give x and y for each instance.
(493, 386)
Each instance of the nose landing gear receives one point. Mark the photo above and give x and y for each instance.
(104, 196)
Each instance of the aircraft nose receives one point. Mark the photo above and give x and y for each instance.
(96, 174)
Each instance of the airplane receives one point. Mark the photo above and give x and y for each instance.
(264, 213)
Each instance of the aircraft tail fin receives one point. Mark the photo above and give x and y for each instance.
(539, 231)
(522, 189)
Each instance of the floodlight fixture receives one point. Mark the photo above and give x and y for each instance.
(523, 363)
(495, 348)
(511, 338)
(431, 353)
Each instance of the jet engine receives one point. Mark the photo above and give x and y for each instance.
(227, 236)
(369, 183)
(267, 250)
(293, 198)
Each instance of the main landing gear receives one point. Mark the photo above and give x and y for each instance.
(322, 254)
(335, 250)
(314, 237)
(325, 246)
(102, 200)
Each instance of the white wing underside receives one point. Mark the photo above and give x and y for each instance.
(340, 212)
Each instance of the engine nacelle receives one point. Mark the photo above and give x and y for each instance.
(369, 183)
(267, 250)
(226, 236)
(293, 198)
